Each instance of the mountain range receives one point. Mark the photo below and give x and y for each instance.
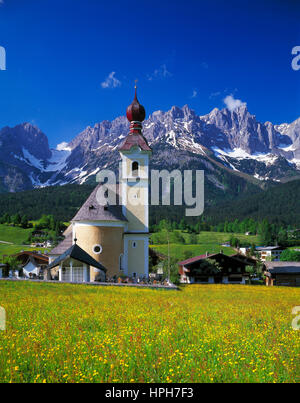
(236, 151)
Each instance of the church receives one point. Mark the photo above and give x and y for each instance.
(106, 241)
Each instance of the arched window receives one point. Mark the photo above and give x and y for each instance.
(135, 168)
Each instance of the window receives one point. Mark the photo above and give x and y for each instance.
(66, 274)
(78, 274)
(121, 265)
(135, 168)
(97, 249)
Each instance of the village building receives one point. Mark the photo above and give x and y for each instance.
(32, 263)
(74, 265)
(270, 252)
(282, 274)
(213, 268)
(265, 252)
(115, 235)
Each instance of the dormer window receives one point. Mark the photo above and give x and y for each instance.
(135, 168)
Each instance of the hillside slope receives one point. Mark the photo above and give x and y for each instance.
(279, 204)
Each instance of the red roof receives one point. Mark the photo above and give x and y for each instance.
(135, 140)
(196, 258)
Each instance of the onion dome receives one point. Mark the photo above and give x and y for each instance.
(135, 112)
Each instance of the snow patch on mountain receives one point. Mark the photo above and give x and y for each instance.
(58, 160)
(32, 160)
(240, 154)
(179, 136)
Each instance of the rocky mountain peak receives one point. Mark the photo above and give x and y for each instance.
(178, 136)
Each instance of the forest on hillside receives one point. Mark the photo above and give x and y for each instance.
(278, 205)
(60, 201)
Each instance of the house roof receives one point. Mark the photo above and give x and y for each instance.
(135, 140)
(68, 230)
(262, 248)
(33, 254)
(244, 258)
(196, 258)
(75, 252)
(283, 267)
(273, 264)
(91, 210)
(63, 245)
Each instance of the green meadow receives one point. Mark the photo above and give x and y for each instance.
(207, 241)
(12, 238)
(202, 333)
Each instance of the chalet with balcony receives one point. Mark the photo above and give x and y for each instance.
(213, 269)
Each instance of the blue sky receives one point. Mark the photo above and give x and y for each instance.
(72, 63)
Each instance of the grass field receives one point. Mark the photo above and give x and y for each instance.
(12, 234)
(12, 249)
(217, 333)
(208, 241)
(177, 250)
(15, 236)
(221, 237)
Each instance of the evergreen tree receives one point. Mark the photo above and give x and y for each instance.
(6, 218)
(182, 225)
(290, 255)
(16, 219)
(24, 221)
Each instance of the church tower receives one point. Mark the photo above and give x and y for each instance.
(134, 190)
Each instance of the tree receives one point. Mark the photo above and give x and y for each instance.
(182, 225)
(176, 237)
(24, 221)
(255, 271)
(6, 218)
(187, 254)
(208, 266)
(44, 222)
(290, 255)
(12, 263)
(282, 235)
(16, 219)
(174, 270)
(164, 225)
(252, 251)
(198, 227)
(234, 242)
(265, 233)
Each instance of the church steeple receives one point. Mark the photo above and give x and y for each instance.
(135, 153)
(135, 114)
